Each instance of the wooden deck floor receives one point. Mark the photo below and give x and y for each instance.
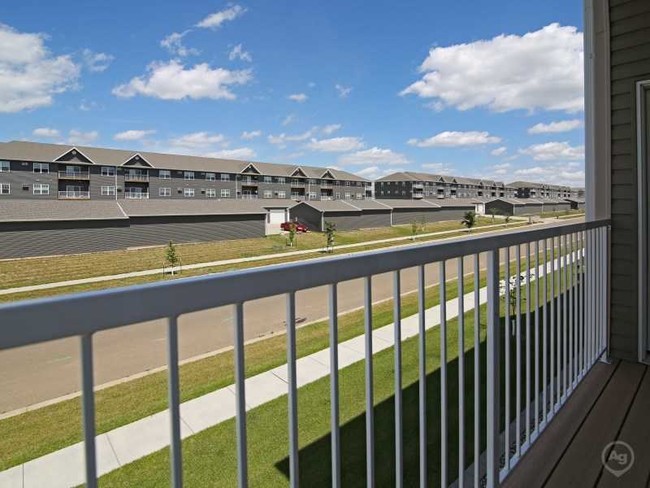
(611, 404)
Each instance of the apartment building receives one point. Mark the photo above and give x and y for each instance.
(30, 170)
(414, 185)
(527, 189)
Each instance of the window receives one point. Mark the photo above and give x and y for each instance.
(282, 194)
(359, 196)
(282, 180)
(348, 196)
(108, 190)
(5, 189)
(164, 192)
(41, 168)
(210, 176)
(211, 193)
(338, 196)
(165, 174)
(347, 183)
(5, 167)
(268, 179)
(225, 177)
(225, 193)
(188, 175)
(312, 195)
(188, 192)
(268, 194)
(41, 189)
(108, 170)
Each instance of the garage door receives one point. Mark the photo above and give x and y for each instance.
(274, 218)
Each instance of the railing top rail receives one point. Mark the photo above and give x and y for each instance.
(40, 320)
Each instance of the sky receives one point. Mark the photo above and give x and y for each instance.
(478, 88)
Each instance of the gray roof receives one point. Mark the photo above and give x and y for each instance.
(41, 152)
(417, 204)
(331, 206)
(456, 202)
(367, 204)
(461, 180)
(155, 207)
(23, 210)
(530, 184)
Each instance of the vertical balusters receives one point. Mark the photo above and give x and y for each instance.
(528, 338)
(477, 370)
(461, 373)
(518, 354)
(553, 388)
(507, 339)
(422, 382)
(545, 397)
(293, 390)
(88, 409)
(240, 395)
(175, 458)
(397, 321)
(537, 337)
(334, 385)
(493, 371)
(370, 414)
(443, 374)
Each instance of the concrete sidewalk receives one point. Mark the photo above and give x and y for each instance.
(116, 448)
(226, 262)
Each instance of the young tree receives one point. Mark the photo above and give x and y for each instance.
(416, 228)
(493, 212)
(171, 256)
(292, 234)
(330, 232)
(469, 220)
(507, 219)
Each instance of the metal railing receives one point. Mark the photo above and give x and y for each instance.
(74, 175)
(136, 177)
(134, 195)
(74, 195)
(546, 356)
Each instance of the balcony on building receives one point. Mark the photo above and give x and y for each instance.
(74, 195)
(73, 174)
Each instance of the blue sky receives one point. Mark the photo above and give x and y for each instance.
(475, 88)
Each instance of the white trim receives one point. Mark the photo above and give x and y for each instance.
(292, 175)
(642, 88)
(73, 148)
(249, 166)
(140, 156)
(333, 177)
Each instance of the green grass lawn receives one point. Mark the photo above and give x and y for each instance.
(47, 429)
(216, 269)
(32, 271)
(209, 457)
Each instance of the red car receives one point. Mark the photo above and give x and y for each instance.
(299, 227)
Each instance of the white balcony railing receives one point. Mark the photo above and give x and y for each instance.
(559, 274)
(74, 195)
(74, 175)
(136, 177)
(133, 195)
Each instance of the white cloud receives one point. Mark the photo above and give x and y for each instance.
(97, 62)
(374, 156)
(499, 151)
(330, 129)
(198, 140)
(375, 172)
(539, 70)
(172, 81)
(282, 139)
(456, 139)
(288, 119)
(558, 173)
(556, 127)
(46, 132)
(336, 144)
(343, 91)
(554, 151)
(248, 135)
(298, 97)
(214, 21)
(238, 52)
(439, 168)
(30, 75)
(133, 135)
(174, 44)
(86, 106)
(238, 153)
(76, 137)
(501, 169)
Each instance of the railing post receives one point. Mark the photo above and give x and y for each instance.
(493, 374)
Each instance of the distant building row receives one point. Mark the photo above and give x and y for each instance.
(414, 185)
(30, 170)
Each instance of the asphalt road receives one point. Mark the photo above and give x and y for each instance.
(43, 372)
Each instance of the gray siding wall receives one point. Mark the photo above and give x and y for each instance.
(407, 216)
(22, 174)
(503, 208)
(26, 239)
(307, 215)
(630, 62)
(371, 219)
(344, 220)
(445, 214)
